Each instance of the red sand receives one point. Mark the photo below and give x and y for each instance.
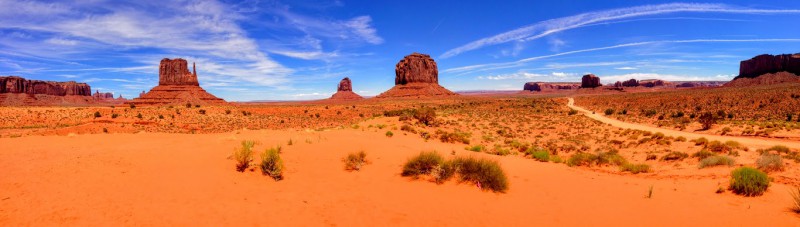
(156, 179)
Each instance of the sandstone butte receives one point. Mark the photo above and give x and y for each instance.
(345, 91)
(767, 69)
(16, 90)
(416, 75)
(590, 81)
(548, 86)
(176, 85)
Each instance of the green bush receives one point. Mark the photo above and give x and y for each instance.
(700, 155)
(635, 168)
(486, 173)
(97, 114)
(610, 158)
(796, 199)
(354, 161)
(572, 112)
(453, 137)
(425, 116)
(770, 162)
(539, 154)
(674, 156)
(422, 164)
(272, 164)
(582, 159)
(609, 111)
(700, 141)
(779, 149)
(718, 147)
(389, 134)
(476, 148)
(716, 160)
(243, 155)
(748, 181)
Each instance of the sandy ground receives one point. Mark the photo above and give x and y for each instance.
(747, 141)
(157, 179)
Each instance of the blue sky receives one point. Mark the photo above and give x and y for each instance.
(298, 50)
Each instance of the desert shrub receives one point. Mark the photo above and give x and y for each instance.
(716, 160)
(651, 157)
(408, 128)
(538, 153)
(227, 111)
(133, 106)
(700, 141)
(114, 115)
(453, 137)
(635, 168)
(674, 156)
(779, 149)
(389, 134)
(748, 181)
(188, 105)
(444, 172)
(243, 155)
(581, 159)
(796, 199)
(272, 164)
(97, 114)
(707, 120)
(139, 115)
(770, 162)
(718, 147)
(572, 112)
(609, 111)
(486, 173)
(202, 111)
(477, 148)
(354, 161)
(680, 139)
(610, 158)
(425, 116)
(421, 164)
(700, 155)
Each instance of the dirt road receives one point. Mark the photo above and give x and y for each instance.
(746, 141)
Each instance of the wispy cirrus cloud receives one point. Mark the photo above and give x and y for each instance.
(548, 27)
(522, 62)
(667, 77)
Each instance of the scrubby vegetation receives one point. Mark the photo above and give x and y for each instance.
(354, 161)
(243, 155)
(635, 168)
(770, 162)
(272, 164)
(716, 160)
(748, 181)
(486, 174)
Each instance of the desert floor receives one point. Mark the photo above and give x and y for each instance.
(161, 179)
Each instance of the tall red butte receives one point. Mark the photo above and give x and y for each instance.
(345, 91)
(176, 85)
(416, 76)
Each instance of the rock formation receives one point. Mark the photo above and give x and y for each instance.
(590, 81)
(653, 83)
(15, 84)
(345, 91)
(627, 83)
(765, 63)
(101, 96)
(548, 86)
(176, 85)
(690, 84)
(416, 75)
(16, 90)
(766, 79)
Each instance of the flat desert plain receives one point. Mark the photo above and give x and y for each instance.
(147, 174)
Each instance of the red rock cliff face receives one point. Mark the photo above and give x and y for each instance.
(345, 85)
(765, 63)
(15, 84)
(545, 86)
(176, 72)
(416, 68)
(590, 81)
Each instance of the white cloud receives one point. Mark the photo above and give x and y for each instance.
(514, 76)
(522, 62)
(548, 27)
(626, 68)
(556, 44)
(361, 27)
(203, 28)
